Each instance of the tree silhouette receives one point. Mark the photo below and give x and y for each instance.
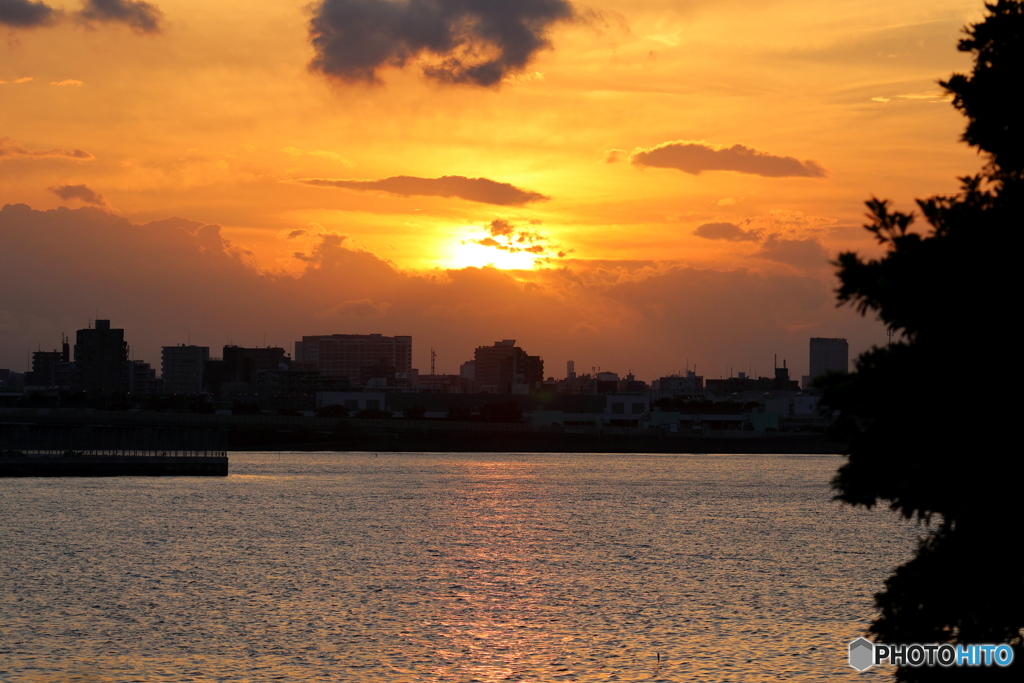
(948, 294)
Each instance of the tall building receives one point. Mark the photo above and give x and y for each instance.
(101, 354)
(504, 368)
(182, 368)
(828, 354)
(359, 357)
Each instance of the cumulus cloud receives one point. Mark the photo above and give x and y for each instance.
(727, 231)
(142, 17)
(80, 192)
(697, 157)
(26, 14)
(479, 42)
(9, 149)
(807, 253)
(474, 189)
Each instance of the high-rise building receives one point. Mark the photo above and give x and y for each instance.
(101, 354)
(504, 368)
(182, 368)
(357, 356)
(829, 354)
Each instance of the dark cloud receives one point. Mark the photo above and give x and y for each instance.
(727, 231)
(142, 17)
(456, 41)
(696, 157)
(9, 149)
(499, 227)
(26, 14)
(80, 192)
(504, 235)
(473, 189)
(803, 253)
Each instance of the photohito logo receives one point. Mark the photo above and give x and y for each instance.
(864, 654)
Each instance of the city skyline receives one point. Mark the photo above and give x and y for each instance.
(627, 186)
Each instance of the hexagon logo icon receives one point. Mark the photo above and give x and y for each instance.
(862, 654)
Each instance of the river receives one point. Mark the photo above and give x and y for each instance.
(444, 567)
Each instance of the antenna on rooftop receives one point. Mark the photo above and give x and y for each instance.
(433, 359)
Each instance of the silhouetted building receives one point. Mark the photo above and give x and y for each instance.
(468, 370)
(239, 367)
(142, 379)
(101, 354)
(676, 385)
(182, 368)
(742, 384)
(295, 388)
(242, 364)
(44, 366)
(505, 369)
(360, 357)
(829, 355)
(445, 384)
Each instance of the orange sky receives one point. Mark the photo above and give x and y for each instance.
(606, 152)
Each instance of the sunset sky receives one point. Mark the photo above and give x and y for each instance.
(632, 185)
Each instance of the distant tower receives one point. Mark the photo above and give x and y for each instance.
(829, 355)
(570, 369)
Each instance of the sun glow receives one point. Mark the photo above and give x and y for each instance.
(466, 254)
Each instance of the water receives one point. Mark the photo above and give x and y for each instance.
(443, 567)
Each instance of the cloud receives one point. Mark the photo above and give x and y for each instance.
(474, 189)
(506, 236)
(614, 156)
(728, 232)
(9, 149)
(805, 253)
(80, 192)
(142, 17)
(333, 156)
(69, 81)
(479, 42)
(697, 157)
(26, 14)
(363, 308)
